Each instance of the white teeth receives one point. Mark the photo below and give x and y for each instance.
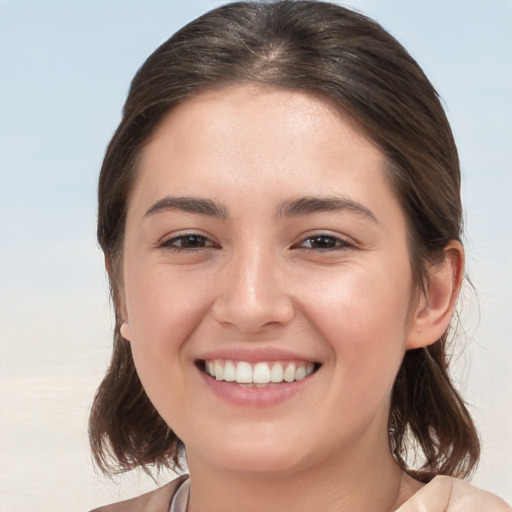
(289, 373)
(229, 372)
(300, 373)
(219, 371)
(276, 374)
(243, 373)
(260, 375)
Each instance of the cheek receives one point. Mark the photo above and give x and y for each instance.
(364, 316)
(161, 305)
(162, 313)
(165, 309)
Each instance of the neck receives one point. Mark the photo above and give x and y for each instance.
(367, 480)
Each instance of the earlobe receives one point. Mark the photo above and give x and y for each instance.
(125, 331)
(435, 309)
(124, 328)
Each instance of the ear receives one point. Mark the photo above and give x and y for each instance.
(124, 329)
(435, 308)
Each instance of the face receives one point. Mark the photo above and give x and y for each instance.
(267, 283)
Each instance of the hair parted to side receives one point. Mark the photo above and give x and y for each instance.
(350, 59)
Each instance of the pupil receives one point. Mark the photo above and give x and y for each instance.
(193, 241)
(323, 242)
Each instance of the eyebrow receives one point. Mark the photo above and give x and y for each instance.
(189, 205)
(292, 208)
(311, 204)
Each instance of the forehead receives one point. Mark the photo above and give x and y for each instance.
(245, 135)
(257, 111)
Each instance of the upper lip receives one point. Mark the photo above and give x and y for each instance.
(255, 354)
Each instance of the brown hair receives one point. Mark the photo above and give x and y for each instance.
(349, 58)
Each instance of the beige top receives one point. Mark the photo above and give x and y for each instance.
(442, 494)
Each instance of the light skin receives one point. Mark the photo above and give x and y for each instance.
(226, 252)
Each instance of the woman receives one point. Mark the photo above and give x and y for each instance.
(280, 215)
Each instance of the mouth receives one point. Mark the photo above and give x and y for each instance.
(257, 374)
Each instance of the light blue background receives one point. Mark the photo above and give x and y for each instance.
(65, 67)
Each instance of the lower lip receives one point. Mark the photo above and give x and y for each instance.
(255, 396)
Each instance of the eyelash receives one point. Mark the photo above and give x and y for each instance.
(176, 243)
(338, 243)
(171, 243)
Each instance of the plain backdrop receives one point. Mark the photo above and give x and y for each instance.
(65, 68)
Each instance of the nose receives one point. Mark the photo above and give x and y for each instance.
(251, 296)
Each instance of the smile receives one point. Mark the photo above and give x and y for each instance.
(259, 374)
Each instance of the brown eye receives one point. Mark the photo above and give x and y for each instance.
(324, 243)
(190, 241)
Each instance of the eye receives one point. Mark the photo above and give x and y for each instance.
(189, 242)
(324, 242)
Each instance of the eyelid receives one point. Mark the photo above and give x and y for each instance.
(165, 242)
(342, 242)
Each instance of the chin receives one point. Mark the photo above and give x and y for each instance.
(261, 456)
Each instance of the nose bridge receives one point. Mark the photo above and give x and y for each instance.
(256, 275)
(253, 295)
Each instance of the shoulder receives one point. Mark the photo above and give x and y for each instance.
(158, 500)
(447, 494)
(465, 497)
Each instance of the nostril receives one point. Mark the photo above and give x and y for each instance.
(253, 296)
(251, 317)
